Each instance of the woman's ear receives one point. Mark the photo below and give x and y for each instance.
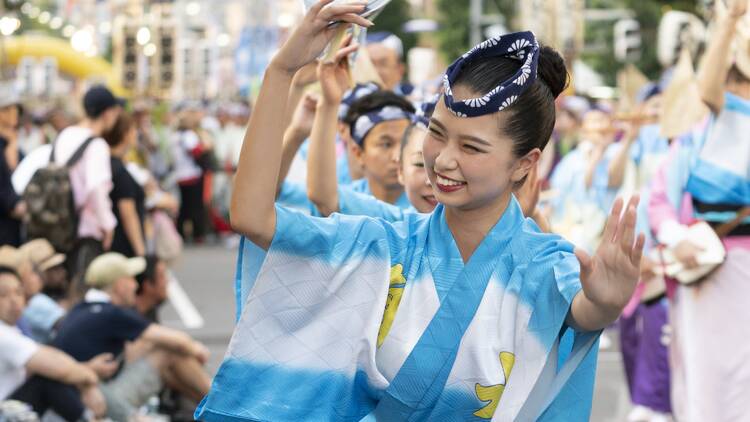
(524, 165)
(355, 149)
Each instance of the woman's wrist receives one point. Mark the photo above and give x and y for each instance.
(278, 68)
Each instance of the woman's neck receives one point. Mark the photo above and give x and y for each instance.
(470, 227)
(118, 152)
(383, 193)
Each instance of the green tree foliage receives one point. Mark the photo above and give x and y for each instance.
(600, 35)
(392, 19)
(454, 28)
(453, 18)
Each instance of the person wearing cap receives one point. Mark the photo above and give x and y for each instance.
(39, 375)
(386, 52)
(12, 208)
(91, 177)
(105, 321)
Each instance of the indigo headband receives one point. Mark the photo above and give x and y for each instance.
(520, 46)
(365, 123)
(359, 91)
(424, 112)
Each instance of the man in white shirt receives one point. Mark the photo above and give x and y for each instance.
(41, 376)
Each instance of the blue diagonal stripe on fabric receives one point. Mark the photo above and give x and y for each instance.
(415, 389)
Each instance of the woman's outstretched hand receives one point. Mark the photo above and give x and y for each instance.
(610, 276)
(314, 33)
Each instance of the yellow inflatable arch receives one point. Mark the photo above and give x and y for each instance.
(69, 61)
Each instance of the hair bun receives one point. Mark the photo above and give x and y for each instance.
(552, 71)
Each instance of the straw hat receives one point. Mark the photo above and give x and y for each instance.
(41, 254)
(10, 257)
(683, 106)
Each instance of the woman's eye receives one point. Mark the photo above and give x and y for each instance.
(436, 134)
(471, 148)
(421, 165)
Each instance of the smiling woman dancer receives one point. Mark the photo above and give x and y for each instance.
(453, 315)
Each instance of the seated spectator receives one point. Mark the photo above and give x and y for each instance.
(152, 288)
(105, 322)
(57, 382)
(42, 312)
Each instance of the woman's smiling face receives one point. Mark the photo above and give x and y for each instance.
(470, 161)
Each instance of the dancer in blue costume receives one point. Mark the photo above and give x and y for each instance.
(453, 315)
(323, 191)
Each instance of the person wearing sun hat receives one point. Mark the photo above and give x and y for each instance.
(105, 321)
(42, 312)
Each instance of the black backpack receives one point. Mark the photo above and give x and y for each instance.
(52, 213)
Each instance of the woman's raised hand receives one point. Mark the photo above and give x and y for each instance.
(310, 38)
(610, 276)
(334, 75)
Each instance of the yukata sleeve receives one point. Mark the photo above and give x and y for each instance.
(304, 345)
(355, 203)
(558, 271)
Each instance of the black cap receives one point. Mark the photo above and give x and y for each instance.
(99, 99)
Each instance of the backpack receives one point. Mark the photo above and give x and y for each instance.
(52, 213)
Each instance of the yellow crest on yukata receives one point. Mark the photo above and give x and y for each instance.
(395, 291)
(493, 393)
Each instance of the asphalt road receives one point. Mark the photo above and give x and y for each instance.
(206, 275)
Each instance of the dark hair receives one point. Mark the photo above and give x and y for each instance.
(407, 136)
(532, 117)
(149, 274)
(735, 75)
(116, 135)
(375, 101)
(9, 270)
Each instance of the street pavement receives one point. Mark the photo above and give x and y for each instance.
(206, 274)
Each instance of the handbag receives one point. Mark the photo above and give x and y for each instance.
(167, 241)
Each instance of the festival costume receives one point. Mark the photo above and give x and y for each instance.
(642, 330)
(710, 320)
(353, 318)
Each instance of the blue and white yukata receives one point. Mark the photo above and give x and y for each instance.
(710, 347)
(353, 318)
(363, 186)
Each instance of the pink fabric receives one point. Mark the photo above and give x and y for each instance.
(660, 208)
(91, 178)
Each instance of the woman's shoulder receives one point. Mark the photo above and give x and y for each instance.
(533, 244)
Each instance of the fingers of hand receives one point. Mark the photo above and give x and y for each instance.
(626, 231)
(335, 12)
(585, 260)
(612, 222)
(344, 53)
(637, 253)
(317, 7)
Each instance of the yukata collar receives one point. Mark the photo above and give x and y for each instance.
(521, 46)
